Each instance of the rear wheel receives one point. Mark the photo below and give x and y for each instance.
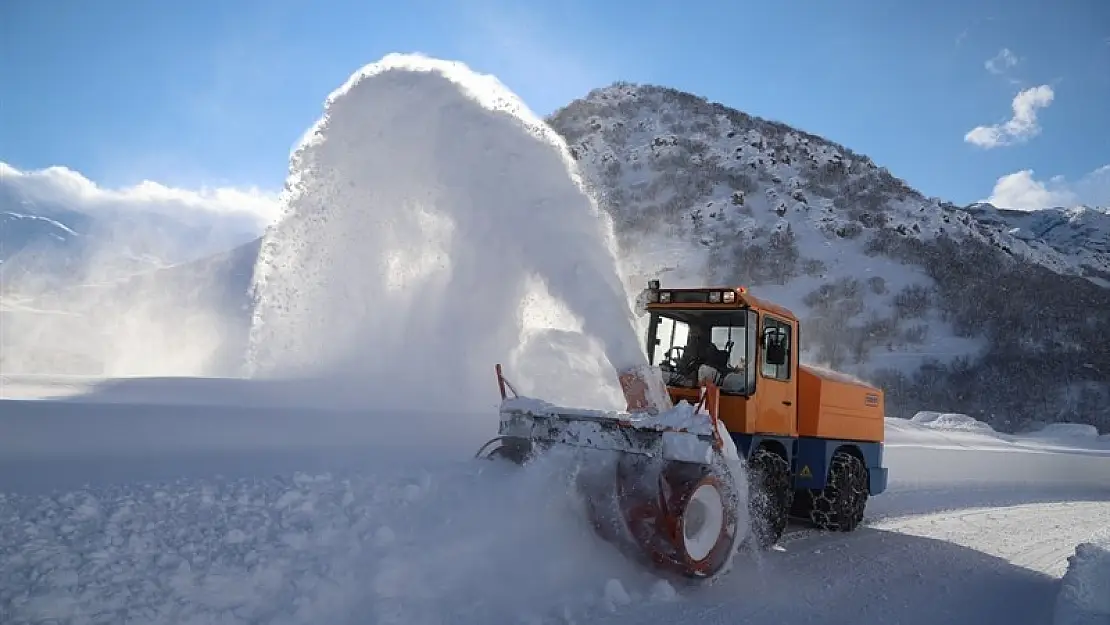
(840, 505)
(770, 496)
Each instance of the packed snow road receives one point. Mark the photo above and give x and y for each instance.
(993, 565)
(115, 512)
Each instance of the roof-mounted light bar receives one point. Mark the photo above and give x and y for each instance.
(692, 296)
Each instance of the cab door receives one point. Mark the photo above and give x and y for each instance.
(776, 385)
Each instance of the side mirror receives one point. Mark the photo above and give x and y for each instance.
(775, 348)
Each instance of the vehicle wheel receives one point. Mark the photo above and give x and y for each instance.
(682, 517)
(839, 506)
(706, 528)
(770, 496)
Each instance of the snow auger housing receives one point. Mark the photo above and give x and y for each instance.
(723, 391)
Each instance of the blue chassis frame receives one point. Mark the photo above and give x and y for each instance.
(813, 456)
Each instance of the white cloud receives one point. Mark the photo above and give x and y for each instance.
(1001, 62)
(1019, 128)
(60, 187)
(1020, 190)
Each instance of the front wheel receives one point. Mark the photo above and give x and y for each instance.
(681, 517)
(707, 528)
(770, 496)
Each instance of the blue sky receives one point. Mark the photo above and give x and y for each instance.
(215, 92)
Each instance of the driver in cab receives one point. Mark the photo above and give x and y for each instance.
(704, 359)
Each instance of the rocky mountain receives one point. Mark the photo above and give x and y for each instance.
(1001, 315)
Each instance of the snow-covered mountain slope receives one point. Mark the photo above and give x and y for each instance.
(45, 244)
(942, 307)
(20, 229)
(36, 244)
(1080, 234)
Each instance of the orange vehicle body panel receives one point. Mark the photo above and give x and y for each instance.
(812, 403)
(831, 406)
(737, 414)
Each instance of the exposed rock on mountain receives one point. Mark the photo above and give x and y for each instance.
(999, 315)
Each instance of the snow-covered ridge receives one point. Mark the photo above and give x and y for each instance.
(46, 243)
(1079, 233)
(24, 235)
(627, 131)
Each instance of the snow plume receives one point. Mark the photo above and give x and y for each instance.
(434, 226)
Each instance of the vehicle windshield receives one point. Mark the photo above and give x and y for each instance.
(691, 346)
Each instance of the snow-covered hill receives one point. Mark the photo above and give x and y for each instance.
(941, 305)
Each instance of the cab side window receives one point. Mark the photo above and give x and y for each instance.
(777, 345)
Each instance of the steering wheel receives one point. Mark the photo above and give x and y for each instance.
(670, 362)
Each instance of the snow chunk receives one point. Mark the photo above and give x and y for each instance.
(1084, 597)
(615, 594)
(684, 416)
(1067, 430)
(384, 537)
(950, 421)
(662, 591)
(837, 376)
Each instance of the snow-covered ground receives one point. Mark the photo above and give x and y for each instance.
(220, 501)
(435, 228)
(1084, 598)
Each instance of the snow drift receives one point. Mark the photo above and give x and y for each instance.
(434, 226)
(1084, 597)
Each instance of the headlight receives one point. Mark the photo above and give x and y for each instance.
(714, 297)
(730, 297)
(665, 297)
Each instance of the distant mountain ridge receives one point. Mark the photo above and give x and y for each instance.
(1080, 233)
(999, 314)
(52, 245)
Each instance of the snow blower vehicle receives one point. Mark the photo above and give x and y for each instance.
(723, 393)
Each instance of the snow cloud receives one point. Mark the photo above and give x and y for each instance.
(63, 188)
(1021, 190)
(1001, 62)
(1019, 128)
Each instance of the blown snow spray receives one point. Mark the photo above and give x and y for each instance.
(420, 212)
